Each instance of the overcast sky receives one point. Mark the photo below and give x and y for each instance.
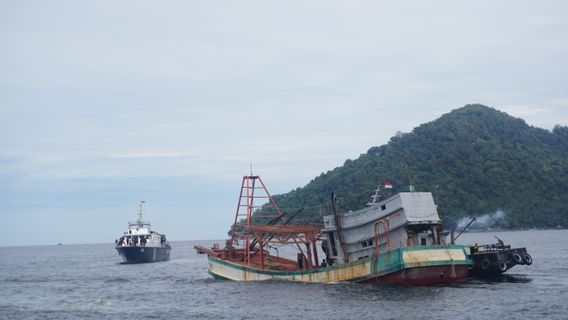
(106, 103)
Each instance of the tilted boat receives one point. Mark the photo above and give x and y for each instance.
(391, 241)
(141, 244)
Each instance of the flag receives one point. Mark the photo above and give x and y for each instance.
(388, 185)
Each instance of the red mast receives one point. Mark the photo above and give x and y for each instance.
(250, 191)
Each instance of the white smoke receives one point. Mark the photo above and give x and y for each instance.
(483, 222)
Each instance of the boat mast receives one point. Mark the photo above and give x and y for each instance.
(253, 190)
(408, 175)
(140, 213)
(375, 197)
(339, 227)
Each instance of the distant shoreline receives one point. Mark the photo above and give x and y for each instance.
(221, 240)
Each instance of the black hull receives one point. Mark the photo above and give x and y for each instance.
(497, 262)
(144, 254)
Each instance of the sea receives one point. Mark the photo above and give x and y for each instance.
(90, 282)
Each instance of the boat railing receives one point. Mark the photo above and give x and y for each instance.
(384, 223)
(489, 247)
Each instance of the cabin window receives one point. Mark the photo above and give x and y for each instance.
(384, 207)
(367, 243)
(423, 241)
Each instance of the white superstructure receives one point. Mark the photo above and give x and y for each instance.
(410, 217)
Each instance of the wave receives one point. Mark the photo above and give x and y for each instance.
(117, 280)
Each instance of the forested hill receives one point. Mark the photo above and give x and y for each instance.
(475, 160)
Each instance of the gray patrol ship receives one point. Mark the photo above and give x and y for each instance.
(140, 244)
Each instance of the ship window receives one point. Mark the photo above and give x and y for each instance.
(423, 241)
(384, 207)
(367, 243)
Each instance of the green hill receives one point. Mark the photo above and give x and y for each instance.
(475, 160)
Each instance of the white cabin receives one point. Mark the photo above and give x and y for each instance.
(411, 217)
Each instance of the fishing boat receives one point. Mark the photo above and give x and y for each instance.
(394, 241)
(141, 244)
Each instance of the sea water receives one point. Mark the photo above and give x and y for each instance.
(89, 282)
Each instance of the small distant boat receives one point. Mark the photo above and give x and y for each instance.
(60, 244)
(140, 244)
(395, 241)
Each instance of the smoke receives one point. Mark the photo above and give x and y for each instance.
(483, 222)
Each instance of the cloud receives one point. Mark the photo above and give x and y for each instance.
(545, 114)
(524, 111)
(199, 90)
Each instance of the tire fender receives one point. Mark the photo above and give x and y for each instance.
(502, 266)
(528, 259)
(485, 264)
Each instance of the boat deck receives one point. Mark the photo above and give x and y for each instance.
(236, 256)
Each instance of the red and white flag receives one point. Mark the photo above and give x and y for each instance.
(388, 185)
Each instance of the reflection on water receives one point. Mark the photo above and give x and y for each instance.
(503, 278)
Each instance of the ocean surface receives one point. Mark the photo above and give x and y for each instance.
(89, 282)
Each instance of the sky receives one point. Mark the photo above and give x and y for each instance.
(106, 103)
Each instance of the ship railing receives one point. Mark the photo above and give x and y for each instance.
(490, 247)
(385, 225)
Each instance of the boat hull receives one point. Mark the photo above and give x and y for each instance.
(424, 265)
(144, 254)
(494, 262)
(423, 276)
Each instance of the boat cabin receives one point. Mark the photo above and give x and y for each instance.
(405, 219)
(138, 227)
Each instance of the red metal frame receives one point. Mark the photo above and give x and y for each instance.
(248, 188)
(256, 236)
(385, 225)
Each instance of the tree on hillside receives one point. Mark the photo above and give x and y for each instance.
(475, 159)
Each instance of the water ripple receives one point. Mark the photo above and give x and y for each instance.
(89, 282)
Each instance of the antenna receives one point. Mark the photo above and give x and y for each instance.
(410, 184)
(251, 169)
(140, 211)
(375, 197)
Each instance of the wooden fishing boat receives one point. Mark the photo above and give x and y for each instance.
(395, 241)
